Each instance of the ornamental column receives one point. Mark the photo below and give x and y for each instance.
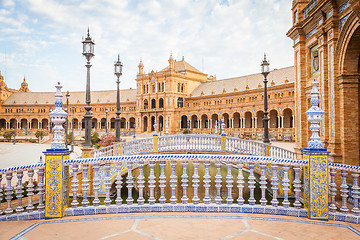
(57, 174)
(316, 189)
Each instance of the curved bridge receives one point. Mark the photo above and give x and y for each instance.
(194, 143)
(194, 186)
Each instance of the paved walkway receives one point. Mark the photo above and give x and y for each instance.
(18, 154)
(179, 226)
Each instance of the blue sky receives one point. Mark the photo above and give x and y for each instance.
(41, 39)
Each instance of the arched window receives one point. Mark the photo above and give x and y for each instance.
(180, 102)
(153, 103)
(161, 103)
(146, 104)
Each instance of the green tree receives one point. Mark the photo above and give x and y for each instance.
(95, 138)
(39, 134)
(8, 135)
(69, 137)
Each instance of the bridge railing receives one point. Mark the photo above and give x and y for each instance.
(200, 190)
(194, 143)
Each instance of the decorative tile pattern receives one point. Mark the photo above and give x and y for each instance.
(344, 6)
(54, 187)
(316, 196)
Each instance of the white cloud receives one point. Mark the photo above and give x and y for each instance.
(7, 3)
(230, 37)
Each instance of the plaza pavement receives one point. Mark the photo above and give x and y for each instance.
(18, 154)
(163, 225)
(179, 226)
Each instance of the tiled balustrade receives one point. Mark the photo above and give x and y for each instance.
(193, 143)
(225, 199)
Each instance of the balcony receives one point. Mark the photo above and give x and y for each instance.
(152, 110)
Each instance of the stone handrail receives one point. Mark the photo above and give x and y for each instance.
(194, 143)
(228, 198)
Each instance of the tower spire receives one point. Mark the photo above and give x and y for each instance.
(171, 61)
(141, 67)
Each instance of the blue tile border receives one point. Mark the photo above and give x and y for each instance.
(179, 207)
(22, 233)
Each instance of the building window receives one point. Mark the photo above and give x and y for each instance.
(180, 102)
(153, 88)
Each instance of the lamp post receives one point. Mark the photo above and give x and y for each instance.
(118, 72)
(265, 71)
(106, 127)
(72, 130)
(88, 52)
(67, 118)
(15, 129)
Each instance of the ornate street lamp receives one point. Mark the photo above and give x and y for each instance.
(88, 52)
(67, 118)
(118, 72)
(106, 113)
(265, 71)
(72, 130)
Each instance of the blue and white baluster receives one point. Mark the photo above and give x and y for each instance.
(107, 187)
(344, 192)
(19, 191)
(30, 190)
(141, 182)
(286, 186)
(274, 183)
(184, 182)
(118, 199)
(229, 181)
(263, 186)
(196, 181)
(218, 182)
(74, 185)
(1, 192)
(355, 193)
(333, 190)
(152, 182)
(129, 182)
(96, 185)
(297, 187)
(251, 184)
(8, 194)
(207, 182)
(173, 182)
(85, 185)
(41, 188)
(240, 181)
(162, 182)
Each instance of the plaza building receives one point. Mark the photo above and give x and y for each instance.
(326, 37)
(179, 97)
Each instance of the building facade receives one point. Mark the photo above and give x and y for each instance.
(179, 97)
(326, 37)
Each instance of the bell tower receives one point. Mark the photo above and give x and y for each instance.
(171, 62)
(24, 86)
(141, 67)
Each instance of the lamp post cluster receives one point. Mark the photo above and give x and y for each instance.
(88, 52)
